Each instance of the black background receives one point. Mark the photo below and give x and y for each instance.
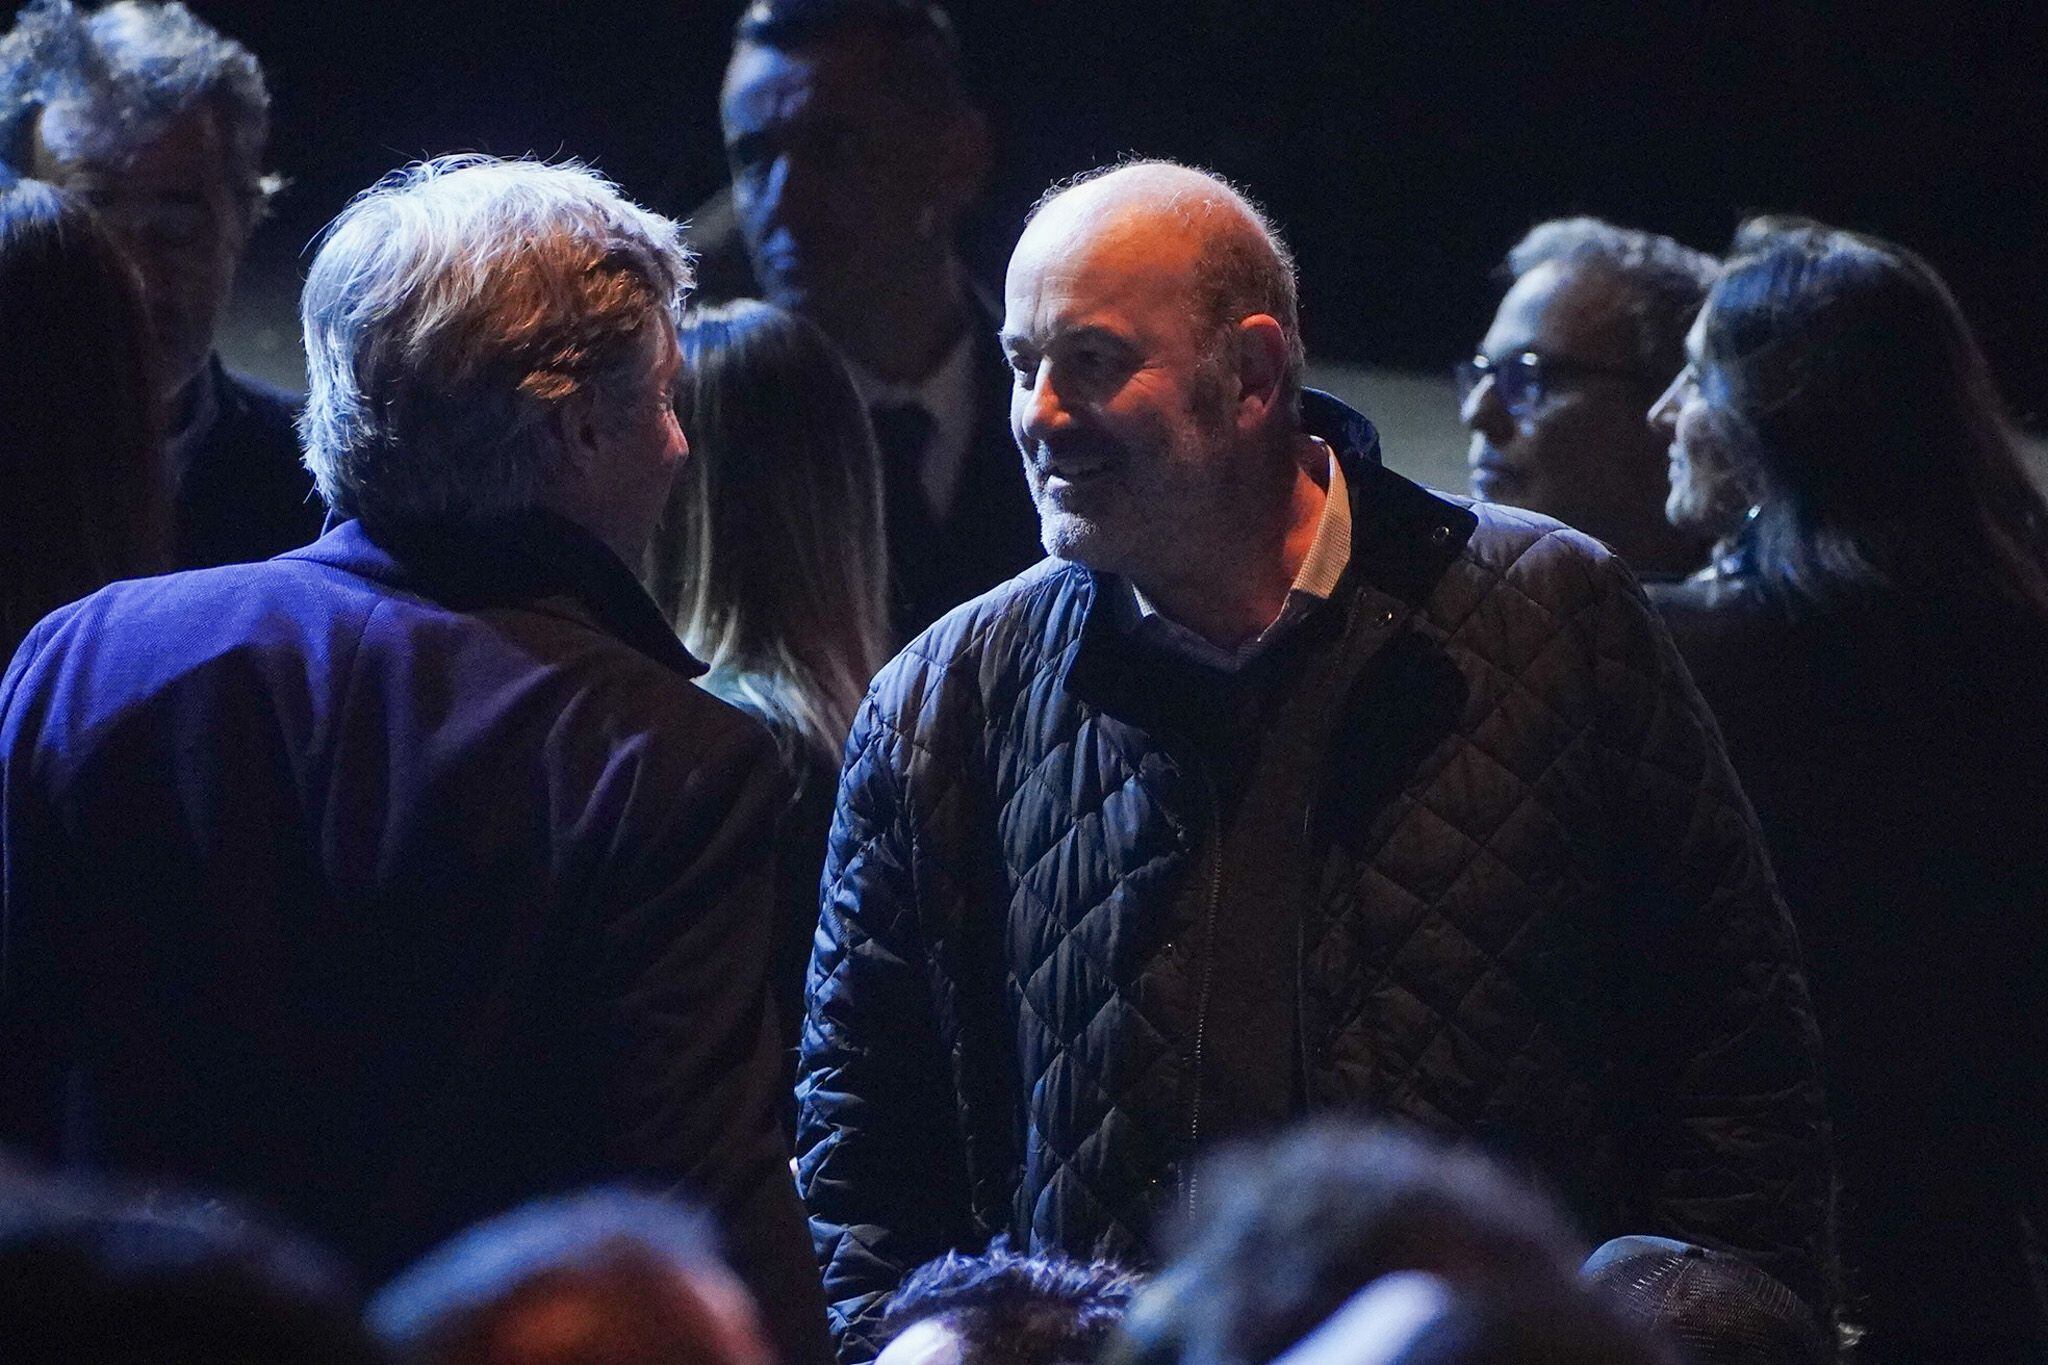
(1402, 147)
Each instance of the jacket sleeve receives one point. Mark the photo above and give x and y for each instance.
(878, 1153)
(31, 1017)
(1724, 1096)
(697, 1101)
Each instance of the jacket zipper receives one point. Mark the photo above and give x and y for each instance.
(1208, 975)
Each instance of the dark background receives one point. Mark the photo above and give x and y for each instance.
(1402, 147)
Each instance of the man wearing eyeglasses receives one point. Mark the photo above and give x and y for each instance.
(1590, 332)
(159, 122)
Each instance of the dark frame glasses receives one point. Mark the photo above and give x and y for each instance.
(1523, 380)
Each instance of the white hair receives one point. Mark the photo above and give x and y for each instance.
(133, 66)
(452, 309)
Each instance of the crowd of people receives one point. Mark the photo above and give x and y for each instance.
(734, 795)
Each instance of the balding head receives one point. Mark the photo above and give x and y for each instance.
(1149, 315)
(1238, 266)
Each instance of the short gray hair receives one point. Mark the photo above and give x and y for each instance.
(452, 309)
(136, 65)
(1666, 280)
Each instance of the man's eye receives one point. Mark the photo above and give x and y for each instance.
(1094, 363)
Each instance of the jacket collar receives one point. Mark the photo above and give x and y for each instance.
(517, 562)
(1403, 538)
(200, 408)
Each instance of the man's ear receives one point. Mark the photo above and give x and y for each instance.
(577, 433)
(1261, 366)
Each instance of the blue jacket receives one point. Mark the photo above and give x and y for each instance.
(1500, 882)
(387, 885)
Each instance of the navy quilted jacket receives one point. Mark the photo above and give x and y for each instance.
(1537, 915)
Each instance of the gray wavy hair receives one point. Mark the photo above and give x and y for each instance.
(1666, 280)
(136, 65)
(452, 310)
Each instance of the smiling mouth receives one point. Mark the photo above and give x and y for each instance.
(1076, 472)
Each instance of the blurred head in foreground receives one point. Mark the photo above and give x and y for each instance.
(1284, 1232)
(1005, 1309)
(606, 1278)
(121, 1278)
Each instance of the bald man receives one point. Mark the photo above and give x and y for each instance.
(1285, 785)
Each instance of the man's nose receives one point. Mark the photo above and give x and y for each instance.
(1484, 413)
(1045, 409)
(1663, 414)
(788, 190)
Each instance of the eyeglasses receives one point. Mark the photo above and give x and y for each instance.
(1524, 379)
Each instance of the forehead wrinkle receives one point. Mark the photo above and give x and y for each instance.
(1103, 256)
(1094, 285)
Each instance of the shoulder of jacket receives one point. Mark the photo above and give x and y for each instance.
(1014, 621)
(1537, 555)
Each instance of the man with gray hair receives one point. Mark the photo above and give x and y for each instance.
(406, 876)
(159, 122)
(1285, 786)
(1558, 395)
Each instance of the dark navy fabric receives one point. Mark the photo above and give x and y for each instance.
(243, 494)
(1890, 742)
(990, 533)
(1536, 914)
(387, 884)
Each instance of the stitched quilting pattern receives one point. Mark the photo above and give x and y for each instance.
(1553, 932)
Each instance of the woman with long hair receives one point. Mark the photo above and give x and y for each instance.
(771, 565)
(1874, 640)
(82, 486)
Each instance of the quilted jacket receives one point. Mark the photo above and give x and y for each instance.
(1535, 914)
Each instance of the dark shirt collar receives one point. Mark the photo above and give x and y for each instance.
(515, 562)
(1350, 433)
(196, 412)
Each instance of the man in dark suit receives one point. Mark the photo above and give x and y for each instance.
(855, 150)
(159, 122)
(406, 876)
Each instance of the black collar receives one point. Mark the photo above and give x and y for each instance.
(514, 562)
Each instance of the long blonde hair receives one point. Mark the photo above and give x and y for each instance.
(770, 562)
